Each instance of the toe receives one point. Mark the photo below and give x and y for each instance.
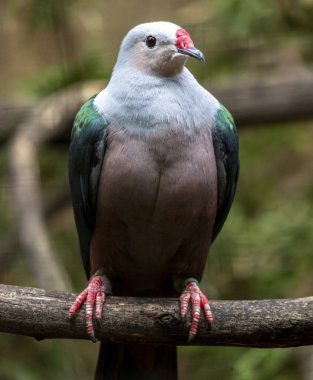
(100, 298)
(184, 301)
(196, 310)
(80, 299)
(206, 307)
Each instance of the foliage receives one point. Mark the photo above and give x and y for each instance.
(66, 74)
(262, 33)
(40, 13)
(262, 18)
(246, 19)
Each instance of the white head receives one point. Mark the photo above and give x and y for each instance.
(160, 48)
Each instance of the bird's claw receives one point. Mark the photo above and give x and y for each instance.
(192, 294)
(93, 297)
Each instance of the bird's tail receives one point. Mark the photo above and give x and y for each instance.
(136, 362)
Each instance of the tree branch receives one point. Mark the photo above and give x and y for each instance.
(268, 100)
(262, 323)
(57, 201)
(49, 118)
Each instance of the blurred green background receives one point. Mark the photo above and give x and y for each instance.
(265, 248)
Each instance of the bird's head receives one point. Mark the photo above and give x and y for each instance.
(160, 48)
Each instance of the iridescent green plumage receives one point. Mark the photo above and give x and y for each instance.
(88, 143)
(88, 115)
(225, 141)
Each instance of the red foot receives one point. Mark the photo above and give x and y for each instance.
(93, 296)
(193, 294)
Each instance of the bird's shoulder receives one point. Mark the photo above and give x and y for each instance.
(89, 119)
(224, 130)
(224, 121)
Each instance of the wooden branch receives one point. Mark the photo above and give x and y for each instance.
(12, 113)
(262, 323)
(268, 100)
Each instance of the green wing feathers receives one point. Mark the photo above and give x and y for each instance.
(87, 149)
(225, 140)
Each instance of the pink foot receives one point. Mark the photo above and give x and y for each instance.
(93, 296)
(193, 294)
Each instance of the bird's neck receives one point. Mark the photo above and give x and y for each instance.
(141, 100)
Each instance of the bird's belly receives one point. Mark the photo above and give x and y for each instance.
(149, 203)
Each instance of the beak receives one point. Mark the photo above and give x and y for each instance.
(192, 52)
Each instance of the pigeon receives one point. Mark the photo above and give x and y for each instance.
(153, 168)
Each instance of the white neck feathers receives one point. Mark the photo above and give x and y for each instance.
(134, 99)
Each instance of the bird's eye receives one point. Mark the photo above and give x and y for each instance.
(150, 42)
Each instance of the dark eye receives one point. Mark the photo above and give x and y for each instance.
(150, 41)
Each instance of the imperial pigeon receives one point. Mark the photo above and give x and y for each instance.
(153, 169)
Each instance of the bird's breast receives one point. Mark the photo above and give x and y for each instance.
(154, 191)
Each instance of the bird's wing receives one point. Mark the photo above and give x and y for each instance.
(225, 141)
(87, 149)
